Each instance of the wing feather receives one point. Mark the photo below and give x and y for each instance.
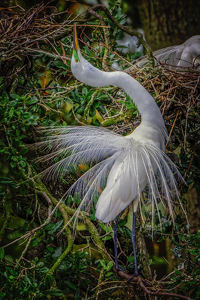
(121, 167)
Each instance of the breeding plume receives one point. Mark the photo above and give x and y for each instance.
(121, 166)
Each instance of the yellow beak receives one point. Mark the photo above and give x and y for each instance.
(75, 39)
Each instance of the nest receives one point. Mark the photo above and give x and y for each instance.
(27, 33)
(23, 31)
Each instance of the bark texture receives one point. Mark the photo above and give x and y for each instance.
(168, 22)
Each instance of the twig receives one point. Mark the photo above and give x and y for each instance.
(128, 30)
(64, 53)
(171, 129)
(160, 293)
(89, 104)
(24, 251)
(70, 241)
(91, 228)
(141, 282)
(28, 234)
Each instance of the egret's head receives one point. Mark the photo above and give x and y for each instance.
(81, 68)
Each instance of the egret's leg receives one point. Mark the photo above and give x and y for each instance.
(115, 242)
(134, 244)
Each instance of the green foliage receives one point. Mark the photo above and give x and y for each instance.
(187, 250)
(19, 114)
(29, 281)
(46, 94)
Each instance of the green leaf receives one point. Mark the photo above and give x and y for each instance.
(35, 242)
(55, 226)
(14, 96)
(84, 91)
(109, 274)
(33, 100)
(131, 259)
(107, 238)
(56, 292)
(103, 264)
(71, 285)
(109, 265)
(57, 252)
(11, 112)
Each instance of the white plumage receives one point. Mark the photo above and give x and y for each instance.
(185, 56)
(129, 44)
(121, 166)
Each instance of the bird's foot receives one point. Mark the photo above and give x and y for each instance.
(135, 275)
(118, 269)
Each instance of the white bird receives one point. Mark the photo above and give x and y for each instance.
(129, 44)
(122, 166)
(185, 56)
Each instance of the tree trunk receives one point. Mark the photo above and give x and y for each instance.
(168, 22)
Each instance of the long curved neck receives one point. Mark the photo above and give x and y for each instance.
(145, 103)
(87, 73)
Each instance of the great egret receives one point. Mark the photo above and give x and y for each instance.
(179, 57)
(123, 166)
(186, 55)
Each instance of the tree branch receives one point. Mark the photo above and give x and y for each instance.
(126, 29)
(147, 290)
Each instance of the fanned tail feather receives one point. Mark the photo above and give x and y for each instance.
(121, 167)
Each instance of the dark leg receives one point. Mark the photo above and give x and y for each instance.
(115, 242)
(134, 244)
